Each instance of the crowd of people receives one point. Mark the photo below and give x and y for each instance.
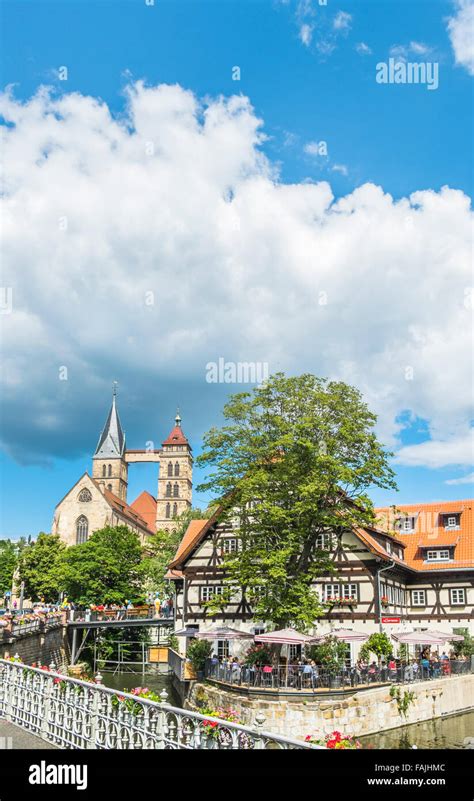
(300, 673)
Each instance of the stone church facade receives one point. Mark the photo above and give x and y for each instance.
(100, 499)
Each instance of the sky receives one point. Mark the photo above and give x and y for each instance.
(192, 181)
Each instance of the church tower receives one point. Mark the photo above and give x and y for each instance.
(175, 482)
(109, 467)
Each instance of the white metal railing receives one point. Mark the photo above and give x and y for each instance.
(176, 663)
(76, 714)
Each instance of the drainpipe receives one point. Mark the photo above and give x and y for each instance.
(382, 570)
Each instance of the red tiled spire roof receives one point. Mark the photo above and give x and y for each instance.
(176, 436)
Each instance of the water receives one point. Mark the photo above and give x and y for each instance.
(437, 734)
(154, 681)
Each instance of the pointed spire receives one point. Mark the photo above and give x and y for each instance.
(111, 443)
(177, 419)
(176, 435)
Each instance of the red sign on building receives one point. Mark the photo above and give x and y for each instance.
(390, 620)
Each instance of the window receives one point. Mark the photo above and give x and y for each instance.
(222, 648)
(176, 468)
(438, 556)
(208, 592)
(168, 510)
(104, 470)
(229, 545)
(170, 468)
(418, 597)
(175, 509)
(451, 521)
(331, 591)
(407, 524)
(85, 495)
(349, 591)
(110, 470)
(390, 594)
(324, 541)
(168, 490)
(388, 547)
(82, 529)
(176, 490)
(458, 597)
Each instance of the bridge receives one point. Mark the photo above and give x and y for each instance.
(87, 622)
(69, 713)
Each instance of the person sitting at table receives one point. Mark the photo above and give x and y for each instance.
(372, 671)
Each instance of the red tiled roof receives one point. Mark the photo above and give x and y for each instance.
(122, 507)
(430, 531)
(192, 536)
(176, 437)
(173, 575)
(145, 506)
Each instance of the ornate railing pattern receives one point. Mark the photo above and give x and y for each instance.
(75, 714)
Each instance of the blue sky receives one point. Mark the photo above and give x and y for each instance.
(404, 139)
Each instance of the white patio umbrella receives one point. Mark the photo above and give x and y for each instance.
(348, 635)
(420, 638)
(449, 637)
(223, 633)
(286, 637)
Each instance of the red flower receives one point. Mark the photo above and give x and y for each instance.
(331, 743)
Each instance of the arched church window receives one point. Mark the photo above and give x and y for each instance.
(168, 510)
(168, 489)
(176, 491)
(84, 495)
(110, 470)
(176, 468)
(82, 529)
(175, 509)
(170, 468)
(104, 470)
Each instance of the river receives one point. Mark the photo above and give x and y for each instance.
(155, 681)
(439, 733)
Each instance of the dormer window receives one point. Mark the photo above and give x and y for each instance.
(406, 525)
(451, 520)
(438, 555)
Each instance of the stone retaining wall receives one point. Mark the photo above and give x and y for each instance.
(364, 712)
(52, 646)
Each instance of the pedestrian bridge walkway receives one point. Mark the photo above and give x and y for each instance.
(13, 736)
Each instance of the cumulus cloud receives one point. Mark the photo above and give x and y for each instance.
(146, 244)
(363, 49)
(403, 51)
(461, 33)
(458, 450)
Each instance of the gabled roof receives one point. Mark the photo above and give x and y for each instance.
(193, 535)
(429, 531)
(145, 506)
(121, 507)
(111, 443)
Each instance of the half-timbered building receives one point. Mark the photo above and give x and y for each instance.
(414, 570)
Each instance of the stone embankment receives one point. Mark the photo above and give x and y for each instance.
(363, 712)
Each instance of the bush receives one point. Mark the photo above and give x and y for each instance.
(197, 653)
(258, 654)
(377, 644)
(330, 653)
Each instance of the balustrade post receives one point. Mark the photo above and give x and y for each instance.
(259, 721)
(47, 707)
(94, 713)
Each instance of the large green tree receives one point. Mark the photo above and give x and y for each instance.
(39, 567)
(296, 457)
(160, 549)
(104, 569)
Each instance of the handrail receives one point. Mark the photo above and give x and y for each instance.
(35, 695)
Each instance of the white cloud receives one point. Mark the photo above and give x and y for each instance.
(306, 34)
(363, 49)
(458, 450)
(461, 33)
(342, 21)
(403, 51)
(340, 168)
(469, 479)
(175, 197)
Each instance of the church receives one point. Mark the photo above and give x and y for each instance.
(100, 499)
